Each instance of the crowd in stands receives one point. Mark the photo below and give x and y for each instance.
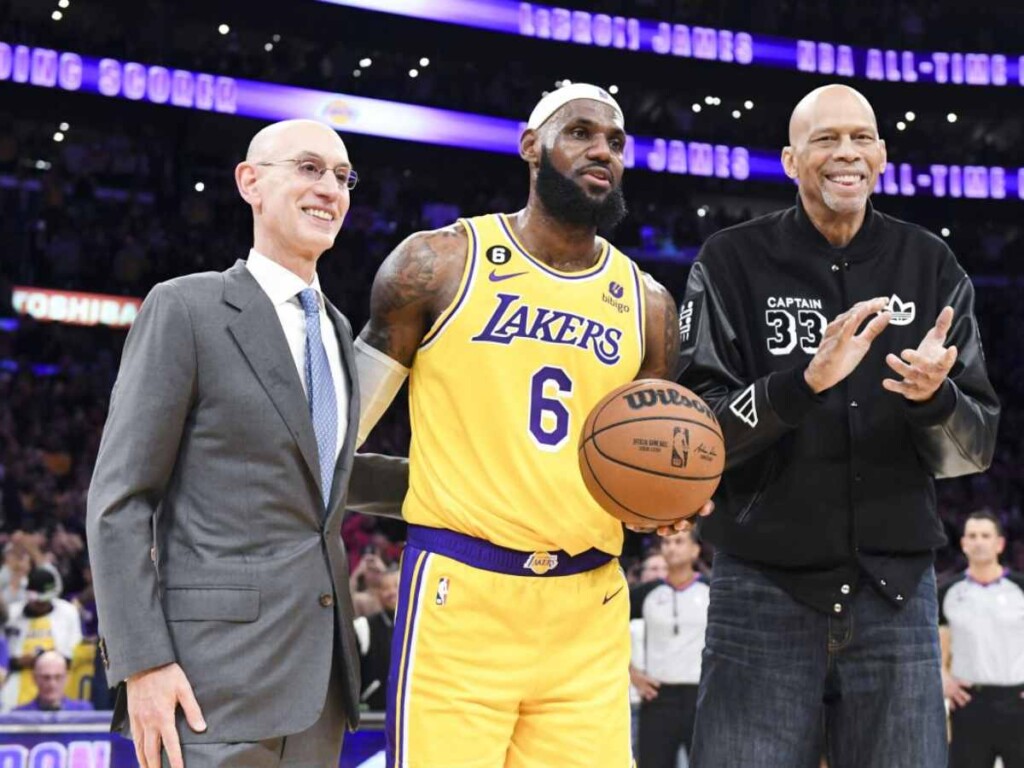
(509, 85)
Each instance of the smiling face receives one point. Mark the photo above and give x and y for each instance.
(295, 212)
(834, 152)
(578, 159)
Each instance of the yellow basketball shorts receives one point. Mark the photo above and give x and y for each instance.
(507, 659)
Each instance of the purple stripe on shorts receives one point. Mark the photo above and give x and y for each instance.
(490, 557)
(400, 642)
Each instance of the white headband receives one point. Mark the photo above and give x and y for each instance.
(551, 103)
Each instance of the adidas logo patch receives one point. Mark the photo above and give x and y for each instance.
(902, 311)
(745, 407)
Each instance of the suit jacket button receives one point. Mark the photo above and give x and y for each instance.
(326, 600)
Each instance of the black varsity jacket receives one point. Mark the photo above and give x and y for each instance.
(820, 482)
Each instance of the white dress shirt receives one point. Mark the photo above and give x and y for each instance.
(283, 286)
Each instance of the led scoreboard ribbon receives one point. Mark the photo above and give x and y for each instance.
(699, 42)
(112, 78)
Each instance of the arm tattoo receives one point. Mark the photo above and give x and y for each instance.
(407, 282)
(405, 290)
(662, 334)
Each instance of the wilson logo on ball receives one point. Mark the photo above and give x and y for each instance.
(648, 398)
(651, 453)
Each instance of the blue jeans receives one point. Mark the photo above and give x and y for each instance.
(781, 682)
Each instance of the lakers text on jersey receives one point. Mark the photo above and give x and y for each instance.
(501, 387)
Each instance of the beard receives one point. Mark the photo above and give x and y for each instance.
(843, 205)
(570, 204)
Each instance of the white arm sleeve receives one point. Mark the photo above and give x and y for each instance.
(637, 631)
(380, 378)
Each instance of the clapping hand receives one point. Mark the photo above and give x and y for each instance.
(925, 368)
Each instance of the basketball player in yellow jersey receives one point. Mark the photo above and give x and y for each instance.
(511, 643)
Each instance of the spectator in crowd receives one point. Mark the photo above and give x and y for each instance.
(365, 582)
(44, 622)
(374, 633)
(654, 567)
(22, 553)
(50, 673)
(981, 625)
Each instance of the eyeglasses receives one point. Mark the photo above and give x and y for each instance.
(313, 171)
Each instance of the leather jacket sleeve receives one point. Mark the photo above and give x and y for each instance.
(955, 431)
(753, 412)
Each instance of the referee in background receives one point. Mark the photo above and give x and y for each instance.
(674, 612)
(981, 626)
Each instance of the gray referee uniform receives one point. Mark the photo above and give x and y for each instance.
(675, 621)
(986, 629)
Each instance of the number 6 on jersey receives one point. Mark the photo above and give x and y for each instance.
(549, 418)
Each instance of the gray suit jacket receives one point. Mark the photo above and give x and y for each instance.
(207, 532)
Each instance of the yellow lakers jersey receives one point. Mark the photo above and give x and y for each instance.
(38, 638)
(502, 384)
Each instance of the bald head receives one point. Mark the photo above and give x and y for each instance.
(295, 177)
(835, 155)
(50, 672)
(268, 143)
(822, 103)
(50, 661)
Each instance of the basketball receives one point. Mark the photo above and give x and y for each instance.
(651, 452)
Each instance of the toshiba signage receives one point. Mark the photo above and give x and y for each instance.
(75, 307)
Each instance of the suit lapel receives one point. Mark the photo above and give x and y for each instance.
(344, 464)
(259, 335)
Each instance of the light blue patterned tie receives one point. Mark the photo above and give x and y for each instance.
(323, 401)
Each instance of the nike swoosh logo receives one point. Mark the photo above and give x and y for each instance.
(608, 598)
(496, 278)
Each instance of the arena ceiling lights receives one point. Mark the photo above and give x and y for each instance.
(112, 78)
(626, 33)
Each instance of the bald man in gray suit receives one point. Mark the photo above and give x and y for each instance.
(227, 460)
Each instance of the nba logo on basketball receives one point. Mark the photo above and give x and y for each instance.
(442, 591)
(680, 447)
(541, 562)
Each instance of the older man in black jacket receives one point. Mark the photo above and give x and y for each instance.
(839, 349)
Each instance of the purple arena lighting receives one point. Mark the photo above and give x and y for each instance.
(601, 30)
(112, 78)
